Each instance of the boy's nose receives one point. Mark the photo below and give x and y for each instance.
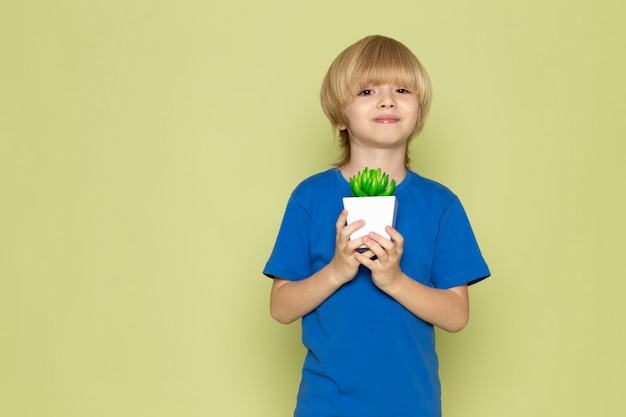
(387, 103)
(386, 100)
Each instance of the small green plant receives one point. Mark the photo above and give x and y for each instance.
(372, 182)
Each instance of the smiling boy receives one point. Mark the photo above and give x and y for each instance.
(368, 318)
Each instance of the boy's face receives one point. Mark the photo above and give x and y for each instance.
(382, 116)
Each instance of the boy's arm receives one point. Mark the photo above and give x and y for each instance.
(290, 300)
(444, 308)
(447, 309)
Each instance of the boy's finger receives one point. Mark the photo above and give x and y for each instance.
(341, 220)
(381, 240)
(395, 236)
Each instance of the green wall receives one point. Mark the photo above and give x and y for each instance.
(147, 150)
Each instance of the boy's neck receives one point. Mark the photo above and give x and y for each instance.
(391, 163)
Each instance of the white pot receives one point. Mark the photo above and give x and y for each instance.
(378, 213)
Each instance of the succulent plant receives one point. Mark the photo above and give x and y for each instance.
(372, 182)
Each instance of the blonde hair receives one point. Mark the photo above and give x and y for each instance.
(373, 60)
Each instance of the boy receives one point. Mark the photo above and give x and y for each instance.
(367, 318)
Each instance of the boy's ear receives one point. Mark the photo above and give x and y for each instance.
(341, 126)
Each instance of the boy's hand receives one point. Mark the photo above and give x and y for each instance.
(386, 266)
(344, 264)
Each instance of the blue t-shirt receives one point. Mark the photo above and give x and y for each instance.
(368, 355)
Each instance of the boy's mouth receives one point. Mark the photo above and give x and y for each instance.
(386, 119)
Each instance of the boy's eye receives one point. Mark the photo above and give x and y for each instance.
(366, 92)
(403, 91)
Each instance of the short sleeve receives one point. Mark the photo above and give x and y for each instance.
(290, 256)
(457, 258)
